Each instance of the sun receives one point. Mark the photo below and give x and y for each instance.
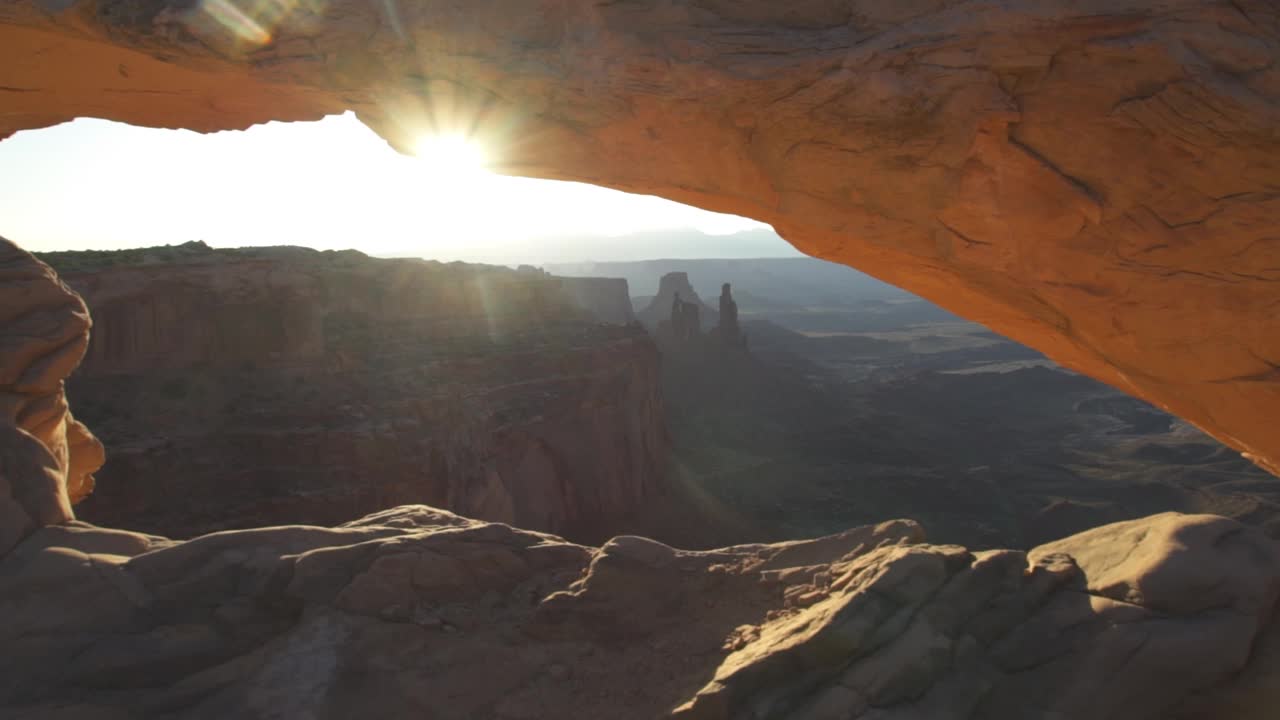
(451, 157)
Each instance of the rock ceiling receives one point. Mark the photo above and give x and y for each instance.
(1098, 180)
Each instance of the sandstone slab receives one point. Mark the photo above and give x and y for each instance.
(417, 612)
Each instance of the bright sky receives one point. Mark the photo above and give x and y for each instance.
(331, 184)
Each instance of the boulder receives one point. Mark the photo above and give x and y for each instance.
(47, 458)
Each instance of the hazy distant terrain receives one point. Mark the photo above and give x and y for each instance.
(859, 402)
(856, 402)
(760, 284)
(686, 243)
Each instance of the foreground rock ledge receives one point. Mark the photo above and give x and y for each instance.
(416, 612)
(1099, 181)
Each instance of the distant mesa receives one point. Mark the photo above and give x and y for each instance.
(759, 285)
(673, 286)
(678, 318)
(607, 300)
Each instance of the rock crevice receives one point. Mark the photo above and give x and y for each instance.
(871, 623)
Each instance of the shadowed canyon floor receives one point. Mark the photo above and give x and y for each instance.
(858, 401)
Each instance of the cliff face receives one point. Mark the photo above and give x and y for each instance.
(281, 386)
(1096, 181)
(658, 312)
(608, 299)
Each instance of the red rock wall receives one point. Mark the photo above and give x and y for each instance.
(287, 388)
(47, 457)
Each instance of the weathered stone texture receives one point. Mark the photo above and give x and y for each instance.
(47, 458)
(418, 612)
(1098, 181)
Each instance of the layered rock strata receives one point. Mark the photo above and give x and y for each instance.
(607, 299)
(1099, 182)
(285, 385)
(417, 612)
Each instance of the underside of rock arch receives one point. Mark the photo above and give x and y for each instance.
(1098, 180)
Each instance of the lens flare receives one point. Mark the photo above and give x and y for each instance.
(451, 156)
(239, 23)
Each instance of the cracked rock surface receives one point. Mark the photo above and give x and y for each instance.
(417, 612)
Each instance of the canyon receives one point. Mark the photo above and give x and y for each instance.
(1094, 181)
(284, 385)
(858, 401)
(1098, 181)
(415, 610)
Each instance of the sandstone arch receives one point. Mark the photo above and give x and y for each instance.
(1100, 181)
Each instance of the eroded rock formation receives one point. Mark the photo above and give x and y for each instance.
(605, 299)
(284, 385)
(660, 314)
(1100, 182)
(608, 299)
(418, 612)
(728, 332)
(47, 458)
(686, 320)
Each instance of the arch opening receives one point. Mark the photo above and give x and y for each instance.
(237, 341)
(1100, 187)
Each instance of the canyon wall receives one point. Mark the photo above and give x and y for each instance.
(1098, 181)
(284, 385)
(608, 299)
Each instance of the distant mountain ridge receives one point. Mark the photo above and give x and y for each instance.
(676, 243)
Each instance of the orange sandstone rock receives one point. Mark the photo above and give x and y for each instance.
(1101, 183)
(416, 612)
(47, 458)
